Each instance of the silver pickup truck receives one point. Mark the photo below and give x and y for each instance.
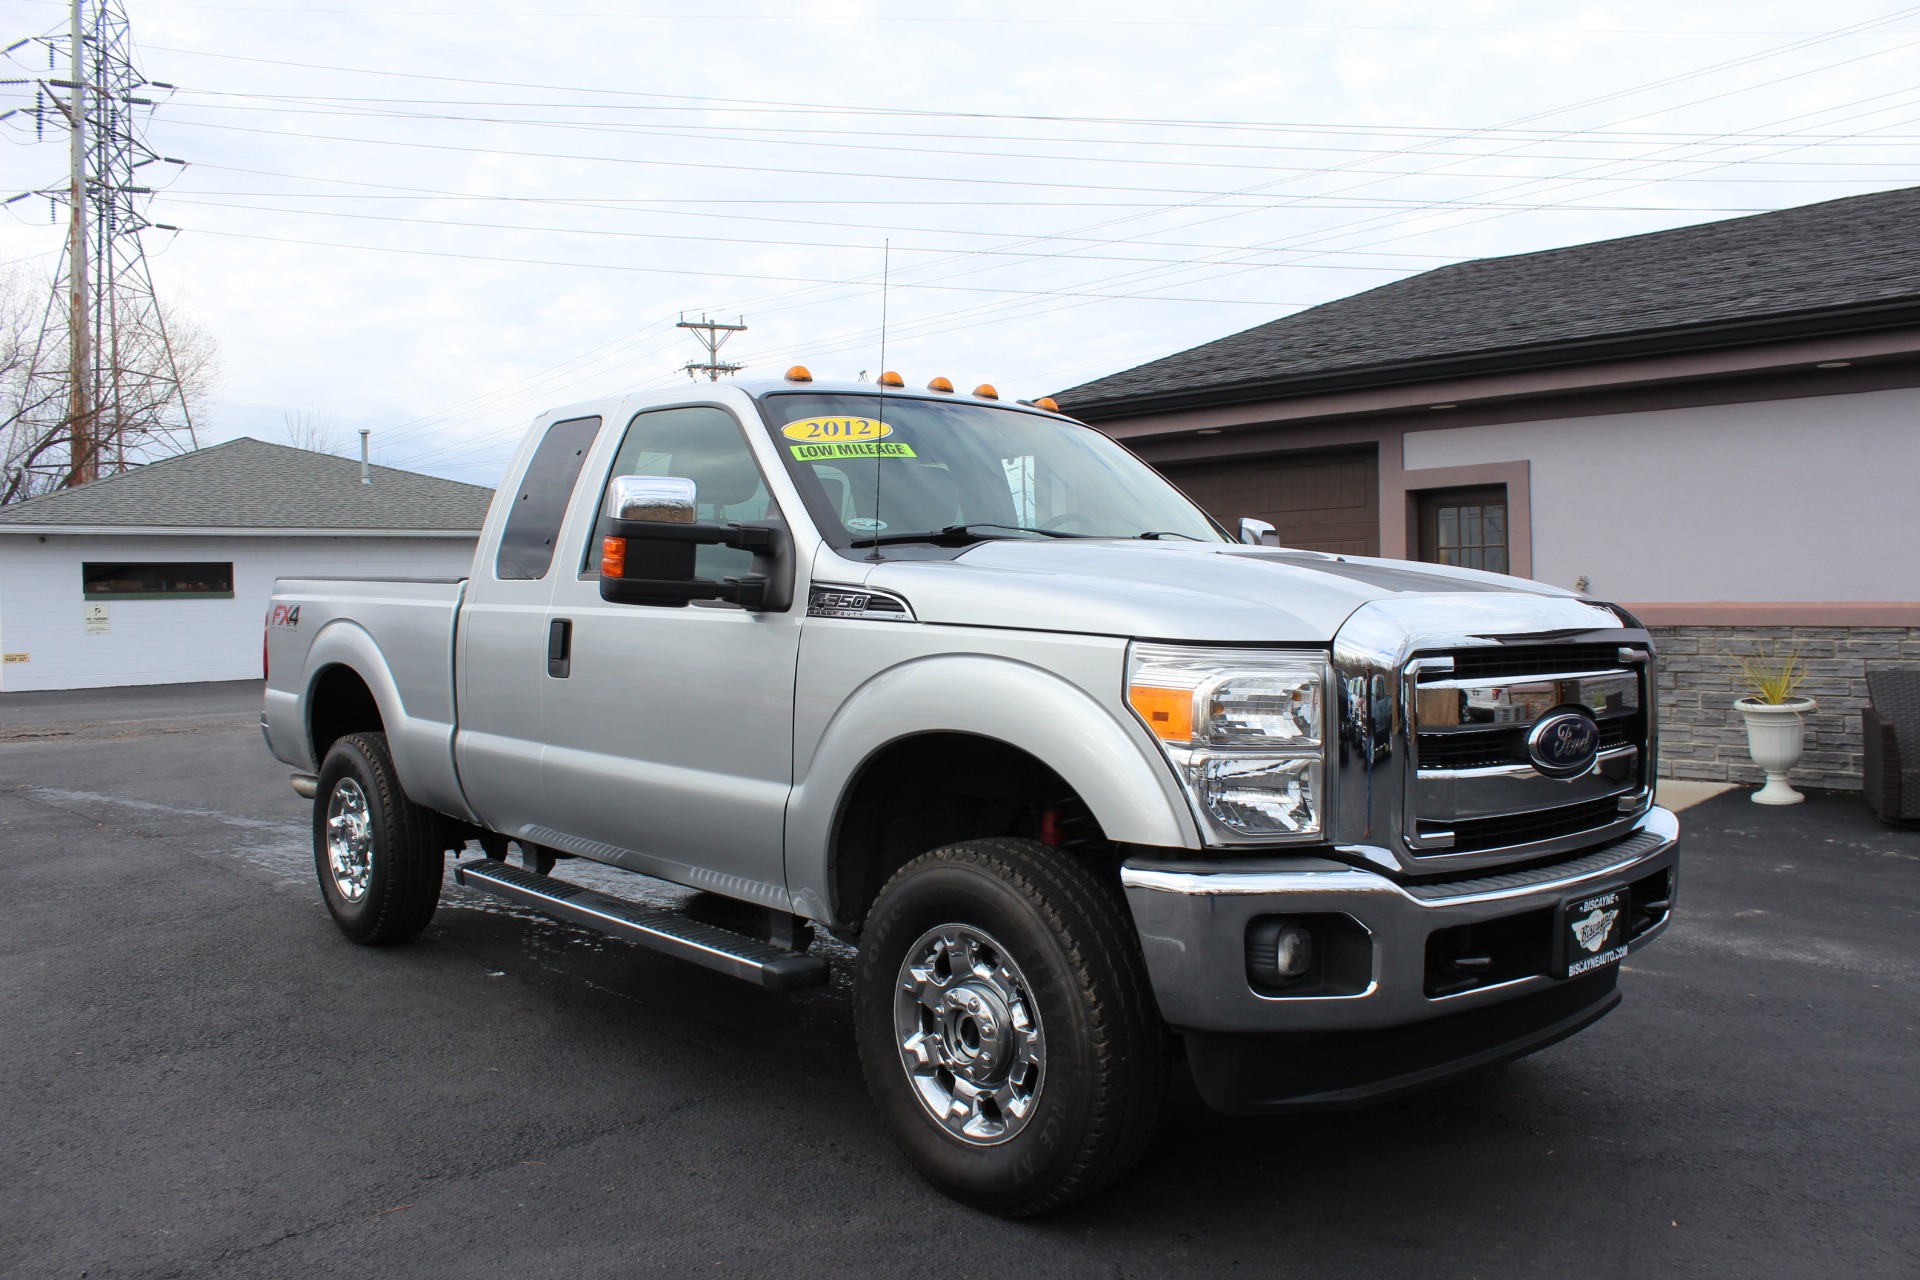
(1089, 784)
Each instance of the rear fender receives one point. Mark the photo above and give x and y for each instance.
(422, 747)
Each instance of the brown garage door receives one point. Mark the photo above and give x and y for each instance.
(1320, 501)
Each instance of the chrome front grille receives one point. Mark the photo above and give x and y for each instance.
(1474, 788)
(1450, 785)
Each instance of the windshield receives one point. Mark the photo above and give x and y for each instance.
(878, 469)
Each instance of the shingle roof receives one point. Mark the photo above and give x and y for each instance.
(1842, 264)
(250, 484)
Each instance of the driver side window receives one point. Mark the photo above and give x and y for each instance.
(704, 445)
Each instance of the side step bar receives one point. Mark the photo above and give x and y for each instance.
(774, 968)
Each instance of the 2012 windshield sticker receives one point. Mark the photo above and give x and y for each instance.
(815, 430)
(827, 452)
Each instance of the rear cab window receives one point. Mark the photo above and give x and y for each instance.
(526, 544)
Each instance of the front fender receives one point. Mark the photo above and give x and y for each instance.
(421, 742)
(1110, 762)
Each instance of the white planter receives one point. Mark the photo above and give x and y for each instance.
(1776, 735)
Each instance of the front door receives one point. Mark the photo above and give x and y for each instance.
(670, 735)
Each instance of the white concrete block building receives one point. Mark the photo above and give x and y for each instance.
(1716, 426)
(162, 575)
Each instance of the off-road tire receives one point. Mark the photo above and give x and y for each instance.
(407, 862)
(1107, 1049)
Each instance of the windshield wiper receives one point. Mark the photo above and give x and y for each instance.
(960, 534)
(1153, 535)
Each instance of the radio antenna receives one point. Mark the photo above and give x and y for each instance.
(886, 277)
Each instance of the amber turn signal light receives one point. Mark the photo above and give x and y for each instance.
(1168, 712)
(613, 557)
(986, 391)
(940, 384)
(891, 379)
(1048, 403)
(799, 373)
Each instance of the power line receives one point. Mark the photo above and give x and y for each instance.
(673, 271)
(998, 21)
(733, 104)
(654, 162)
(1600, 137)
(739, 134)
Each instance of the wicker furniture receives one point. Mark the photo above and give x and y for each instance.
(1890, 725)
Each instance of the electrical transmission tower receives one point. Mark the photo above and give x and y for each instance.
(712, 335)
(104, 385)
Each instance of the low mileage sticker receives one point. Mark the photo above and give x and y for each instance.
(851, 449)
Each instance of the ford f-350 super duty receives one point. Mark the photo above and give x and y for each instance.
(1087, 782)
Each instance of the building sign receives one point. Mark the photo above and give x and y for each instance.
(12, 658)
(99, 618)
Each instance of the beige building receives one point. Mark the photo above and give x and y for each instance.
(1717, 426)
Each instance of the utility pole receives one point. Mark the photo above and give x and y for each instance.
(81, 467)
(712, 335)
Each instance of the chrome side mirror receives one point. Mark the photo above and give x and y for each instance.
(1256, 532)
(649, 553)
(661, 499)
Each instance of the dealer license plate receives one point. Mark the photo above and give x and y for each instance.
(1593, 932)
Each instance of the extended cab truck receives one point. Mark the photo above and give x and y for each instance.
(1084, 778)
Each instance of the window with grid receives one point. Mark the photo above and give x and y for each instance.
(1465, 527)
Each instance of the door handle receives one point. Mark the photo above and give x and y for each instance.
(560, 648)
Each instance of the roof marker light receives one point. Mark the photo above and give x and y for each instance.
(891, 379)
(986, 391)
(1048, 403)
(940, 384)
(799, 373)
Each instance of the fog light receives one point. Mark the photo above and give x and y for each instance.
(1279, 951)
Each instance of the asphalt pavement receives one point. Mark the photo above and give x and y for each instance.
(202, 1078)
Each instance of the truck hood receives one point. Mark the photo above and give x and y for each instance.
(1177, 590)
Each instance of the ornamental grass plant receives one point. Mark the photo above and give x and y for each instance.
(1771, 678)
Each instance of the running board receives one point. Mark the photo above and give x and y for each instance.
(775, 968)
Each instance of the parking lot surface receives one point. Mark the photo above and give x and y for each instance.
(203, 1078)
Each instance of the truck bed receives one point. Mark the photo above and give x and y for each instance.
(397, 632)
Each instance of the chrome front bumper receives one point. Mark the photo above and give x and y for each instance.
(1192, 918)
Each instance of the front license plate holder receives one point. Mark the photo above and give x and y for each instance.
(1591, 932)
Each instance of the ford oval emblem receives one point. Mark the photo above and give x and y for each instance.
(1563, 744)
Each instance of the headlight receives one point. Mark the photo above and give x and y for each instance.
(1245, 729)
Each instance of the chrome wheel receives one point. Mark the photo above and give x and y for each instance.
(969, 1034)
(349, 839)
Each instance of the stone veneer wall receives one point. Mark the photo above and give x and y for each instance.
(1703, 737)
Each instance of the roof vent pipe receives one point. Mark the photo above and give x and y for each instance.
(366, 475)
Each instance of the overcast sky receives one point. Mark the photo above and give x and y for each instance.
(436, 220)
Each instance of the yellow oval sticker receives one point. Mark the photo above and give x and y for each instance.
(836, 430)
